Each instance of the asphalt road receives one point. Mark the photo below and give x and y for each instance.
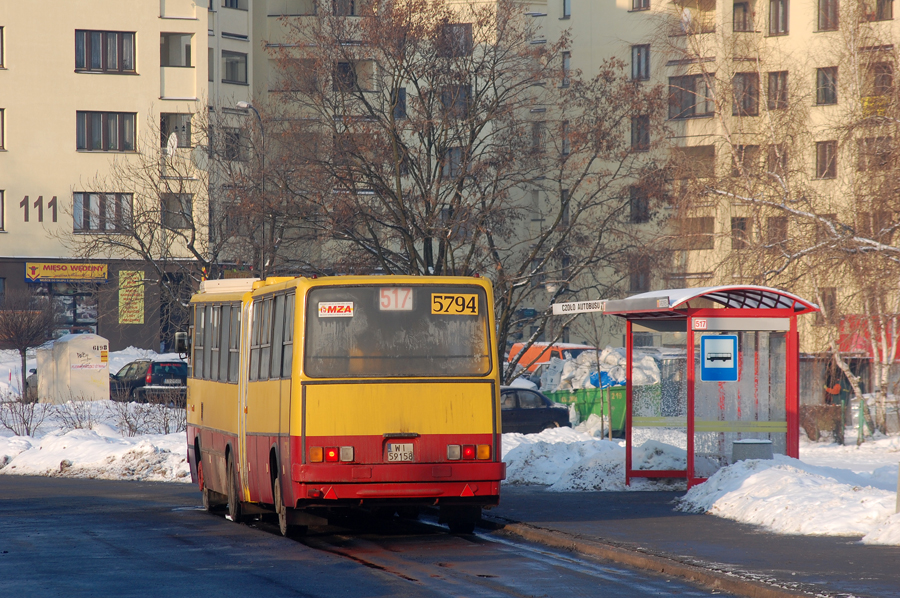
(74, 537)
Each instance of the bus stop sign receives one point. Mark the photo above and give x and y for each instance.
(719, 358)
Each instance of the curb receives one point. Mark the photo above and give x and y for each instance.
(734, 582)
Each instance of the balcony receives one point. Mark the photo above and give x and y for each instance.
(236, 22)
(178, 9)
(177, 82)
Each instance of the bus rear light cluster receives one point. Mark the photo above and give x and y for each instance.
(331, 454)
(468, 452)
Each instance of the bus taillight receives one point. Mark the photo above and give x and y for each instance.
(454, 452)
(484, 452)
(468, 453)
(332, 455)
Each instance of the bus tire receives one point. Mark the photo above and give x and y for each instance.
(234, 503)
(461, 520)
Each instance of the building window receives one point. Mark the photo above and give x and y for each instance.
(878, 10)
(453, 162)
(828, 297)
(105, 131)
(746, 94)
(640, 133)
(776, 231)
(102, 212)
(745, 159)
(640, 4)
(399, 103)
(175, 124)
(639, 274)
(742, 18)
(690, 96)
(211, 64)
(640, 62)
(565, 144)
(2, 212)
(566, 9)
(232, 144)
(696, 233)
(826, 159)
(455, 101)
(740, 233)
(234, 67)
(828, 15)
(777, 94)
(875, 153)
(238, 4)
(104, 51)
(695, 162)
(777, 159)
(176, 210)
(639, 206)
(826, 86)
(455, 40)
(348, 8)
(2, 64)
(175, 49)
(2, 129)
(538, 130)
(566, 68)
(778, 17)
(882, 77)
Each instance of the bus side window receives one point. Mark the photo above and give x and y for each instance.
(234, 344)
(254, 339)
(277, 336)
(207, 341)
(199, 331)
(288, 354)
(265, 339)
(224, 344)
(215, 330)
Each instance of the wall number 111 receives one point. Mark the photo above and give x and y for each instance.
(39, 206)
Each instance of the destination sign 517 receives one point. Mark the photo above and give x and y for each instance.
(578, 307)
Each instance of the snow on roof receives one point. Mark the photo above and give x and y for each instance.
(661, 304)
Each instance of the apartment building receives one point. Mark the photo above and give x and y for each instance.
(782, 101)
(83, 84)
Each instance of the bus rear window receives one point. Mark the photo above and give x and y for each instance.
(397, 331)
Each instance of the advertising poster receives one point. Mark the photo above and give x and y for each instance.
(131, 297)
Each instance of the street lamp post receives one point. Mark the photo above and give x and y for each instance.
(263, 258)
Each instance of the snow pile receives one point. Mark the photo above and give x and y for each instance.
(789, 496)
(567, 460)
(99, 454)
(574, 374)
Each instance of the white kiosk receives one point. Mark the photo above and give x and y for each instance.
(74, 367)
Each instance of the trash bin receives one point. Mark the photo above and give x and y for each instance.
(751, 448)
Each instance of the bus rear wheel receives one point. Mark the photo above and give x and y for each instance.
(461, 520)
(234, 503)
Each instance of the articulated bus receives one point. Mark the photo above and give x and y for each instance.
(311, 395)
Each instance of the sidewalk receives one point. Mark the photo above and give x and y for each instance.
(645, 526)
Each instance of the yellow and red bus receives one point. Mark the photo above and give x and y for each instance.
(308, 395)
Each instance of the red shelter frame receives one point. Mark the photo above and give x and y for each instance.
(737, 303)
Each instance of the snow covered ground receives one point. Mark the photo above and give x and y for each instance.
(831, 490)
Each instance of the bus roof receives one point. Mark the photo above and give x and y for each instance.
(227, 285)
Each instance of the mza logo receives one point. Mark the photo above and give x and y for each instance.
(336, 309)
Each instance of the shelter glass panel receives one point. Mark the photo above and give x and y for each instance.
(750, 407)
(659, 396)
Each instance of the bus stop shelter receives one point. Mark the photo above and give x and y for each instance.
(732, 355)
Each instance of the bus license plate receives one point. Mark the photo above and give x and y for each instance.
(171, 381)
(399, 452)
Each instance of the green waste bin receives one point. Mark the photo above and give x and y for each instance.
(589, 401)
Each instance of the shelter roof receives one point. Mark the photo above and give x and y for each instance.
(667, 304)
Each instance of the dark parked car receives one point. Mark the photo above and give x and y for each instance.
(145, 380)
(528, 411)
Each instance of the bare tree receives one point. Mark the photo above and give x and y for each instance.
(437, 139)
(26, 321)
(799, 186)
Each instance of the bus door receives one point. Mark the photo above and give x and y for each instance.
(246, 318)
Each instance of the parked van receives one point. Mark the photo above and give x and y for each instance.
(541, 353)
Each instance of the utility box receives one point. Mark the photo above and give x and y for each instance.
(74, 368)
